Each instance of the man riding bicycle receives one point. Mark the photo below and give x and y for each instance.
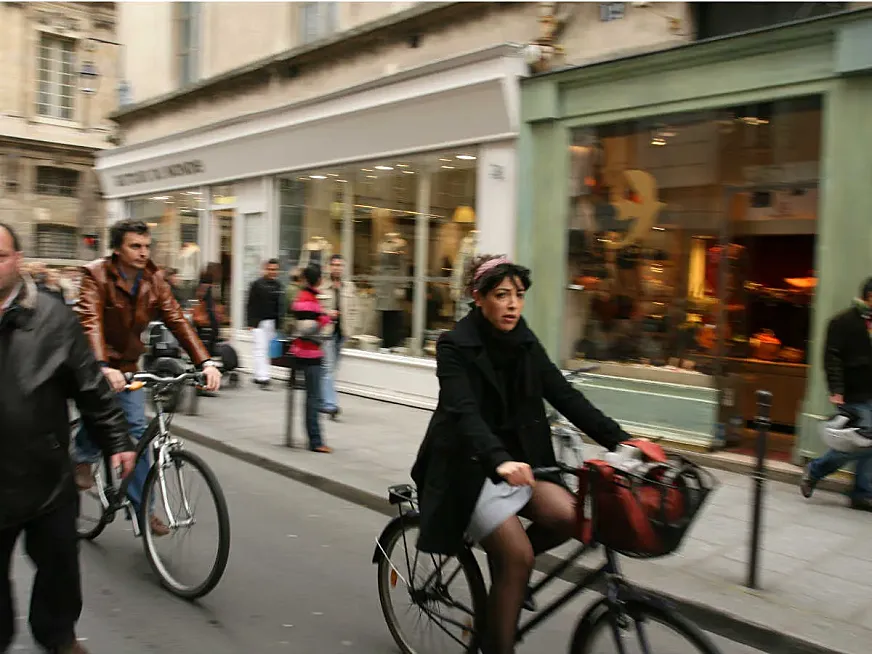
(120, 294)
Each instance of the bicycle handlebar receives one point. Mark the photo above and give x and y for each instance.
(137, 380)
(559, 468)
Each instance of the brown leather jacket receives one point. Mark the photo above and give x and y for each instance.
(114, 321)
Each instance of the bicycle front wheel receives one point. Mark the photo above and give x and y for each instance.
(642, 628)
(185, 525)
(432, 604)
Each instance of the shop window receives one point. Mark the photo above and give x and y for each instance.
(57, 78)
(375, 214)
(187, 35)
(691, 249)
(62, 182)
(56, 242)
(174, 222)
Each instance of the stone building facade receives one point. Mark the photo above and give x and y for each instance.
(59, 83)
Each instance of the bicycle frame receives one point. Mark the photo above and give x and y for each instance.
(618, 590)
(157, 437)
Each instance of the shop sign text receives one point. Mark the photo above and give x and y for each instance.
(162, 172)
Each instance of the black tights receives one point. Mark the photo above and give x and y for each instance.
(511, 553)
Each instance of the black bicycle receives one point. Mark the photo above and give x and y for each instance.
(169, 509)
(445, 596)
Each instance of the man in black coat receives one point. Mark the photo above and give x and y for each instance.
(264, 307)
(45, 360)
(848, 365)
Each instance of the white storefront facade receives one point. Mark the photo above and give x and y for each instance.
(405, 176)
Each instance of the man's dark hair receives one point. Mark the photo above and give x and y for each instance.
(312, 274)
(122, 227)
(867, 289)
(337, 257)
(16, 244)
(272, 262)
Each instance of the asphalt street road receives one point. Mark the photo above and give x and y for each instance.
(299, 580)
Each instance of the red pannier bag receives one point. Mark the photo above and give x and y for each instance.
(643, 511)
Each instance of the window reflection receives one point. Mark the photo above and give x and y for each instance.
(691, 243)
(375, 215)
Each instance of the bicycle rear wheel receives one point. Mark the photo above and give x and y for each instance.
(175, 503)
(93, 504)
(432, 604)
(643, 628)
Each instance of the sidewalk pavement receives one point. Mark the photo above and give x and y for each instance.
(817, 554)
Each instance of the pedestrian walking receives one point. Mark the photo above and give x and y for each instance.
(307, 348)
(264, 301)
(45, 360)
(848, 367)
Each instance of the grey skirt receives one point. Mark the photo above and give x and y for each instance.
(496, 503)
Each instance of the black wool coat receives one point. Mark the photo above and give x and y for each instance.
(461, 450)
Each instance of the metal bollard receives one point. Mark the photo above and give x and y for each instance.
(764, 406)
(289, 424)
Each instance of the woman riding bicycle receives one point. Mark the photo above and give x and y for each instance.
(474, 468)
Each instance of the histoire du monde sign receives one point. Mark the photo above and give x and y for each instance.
(162, 172)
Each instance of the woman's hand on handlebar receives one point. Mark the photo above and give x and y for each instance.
(516, 473)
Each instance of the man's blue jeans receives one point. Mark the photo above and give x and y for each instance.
(834, 460)
(329, 364)
(84, 450)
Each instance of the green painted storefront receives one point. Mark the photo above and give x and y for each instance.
(830, 58)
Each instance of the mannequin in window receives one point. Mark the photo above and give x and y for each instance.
(188, 270)
(461, 262)
(392, 265)
(317, 250)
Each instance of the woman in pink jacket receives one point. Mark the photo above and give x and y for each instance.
(306, 348)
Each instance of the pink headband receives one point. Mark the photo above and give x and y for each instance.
(487, 266)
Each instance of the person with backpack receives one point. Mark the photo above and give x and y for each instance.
(307, 348)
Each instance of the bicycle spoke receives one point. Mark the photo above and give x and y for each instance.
(643, 636)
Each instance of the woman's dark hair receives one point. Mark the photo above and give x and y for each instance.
(312, 274)
(206, 276)
(494, 277)
(129, 226)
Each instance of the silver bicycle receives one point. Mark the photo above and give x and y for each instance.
(169, 508)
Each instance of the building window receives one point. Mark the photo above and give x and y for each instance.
(56, 181)
(56, 77)
(407, 228)
(716, 19)
(691, 254)
(56, 242)
(187, 42)
(318, 20)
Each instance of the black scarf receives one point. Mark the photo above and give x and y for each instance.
(509, 358)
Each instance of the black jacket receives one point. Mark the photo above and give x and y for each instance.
(461, 450)
(264, 301)
(45, 361)
(848, 357)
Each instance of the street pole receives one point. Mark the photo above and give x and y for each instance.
(764, 406)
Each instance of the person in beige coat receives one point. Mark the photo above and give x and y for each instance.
(339, 298)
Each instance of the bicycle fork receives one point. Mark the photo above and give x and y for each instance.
(163, 461)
